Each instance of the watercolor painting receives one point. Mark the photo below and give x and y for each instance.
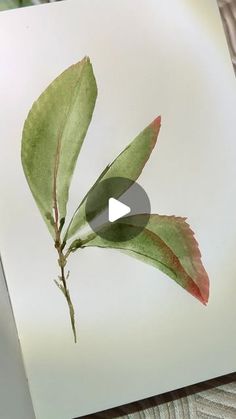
(13, 4)
(53, 135)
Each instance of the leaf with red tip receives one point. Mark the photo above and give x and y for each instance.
(129, 164)
(167, 243)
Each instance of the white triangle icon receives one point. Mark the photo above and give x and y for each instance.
(116, 209)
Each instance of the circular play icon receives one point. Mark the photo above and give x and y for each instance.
(117, 209)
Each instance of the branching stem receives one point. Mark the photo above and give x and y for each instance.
(62, 260)
(66, 293)
(62, 285)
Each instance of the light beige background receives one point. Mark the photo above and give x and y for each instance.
(139, 333)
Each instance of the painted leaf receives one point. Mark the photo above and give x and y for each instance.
(167, 243)
(129, 164)
(53, 135)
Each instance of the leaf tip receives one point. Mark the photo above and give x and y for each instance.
(200, 292)
(155, 128)
(86, 59)
(158, 120)
(156, 125)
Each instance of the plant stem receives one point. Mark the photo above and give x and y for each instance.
(66, 293)
(62, 260)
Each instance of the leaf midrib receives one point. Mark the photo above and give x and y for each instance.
(59, 144)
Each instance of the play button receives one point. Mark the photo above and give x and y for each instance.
(113, 206)
(116, 209)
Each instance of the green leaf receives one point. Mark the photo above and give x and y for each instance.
(52, 138)
(167, 243)
(8, 4)
(129, 164)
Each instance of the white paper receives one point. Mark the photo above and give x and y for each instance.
(139, 333)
